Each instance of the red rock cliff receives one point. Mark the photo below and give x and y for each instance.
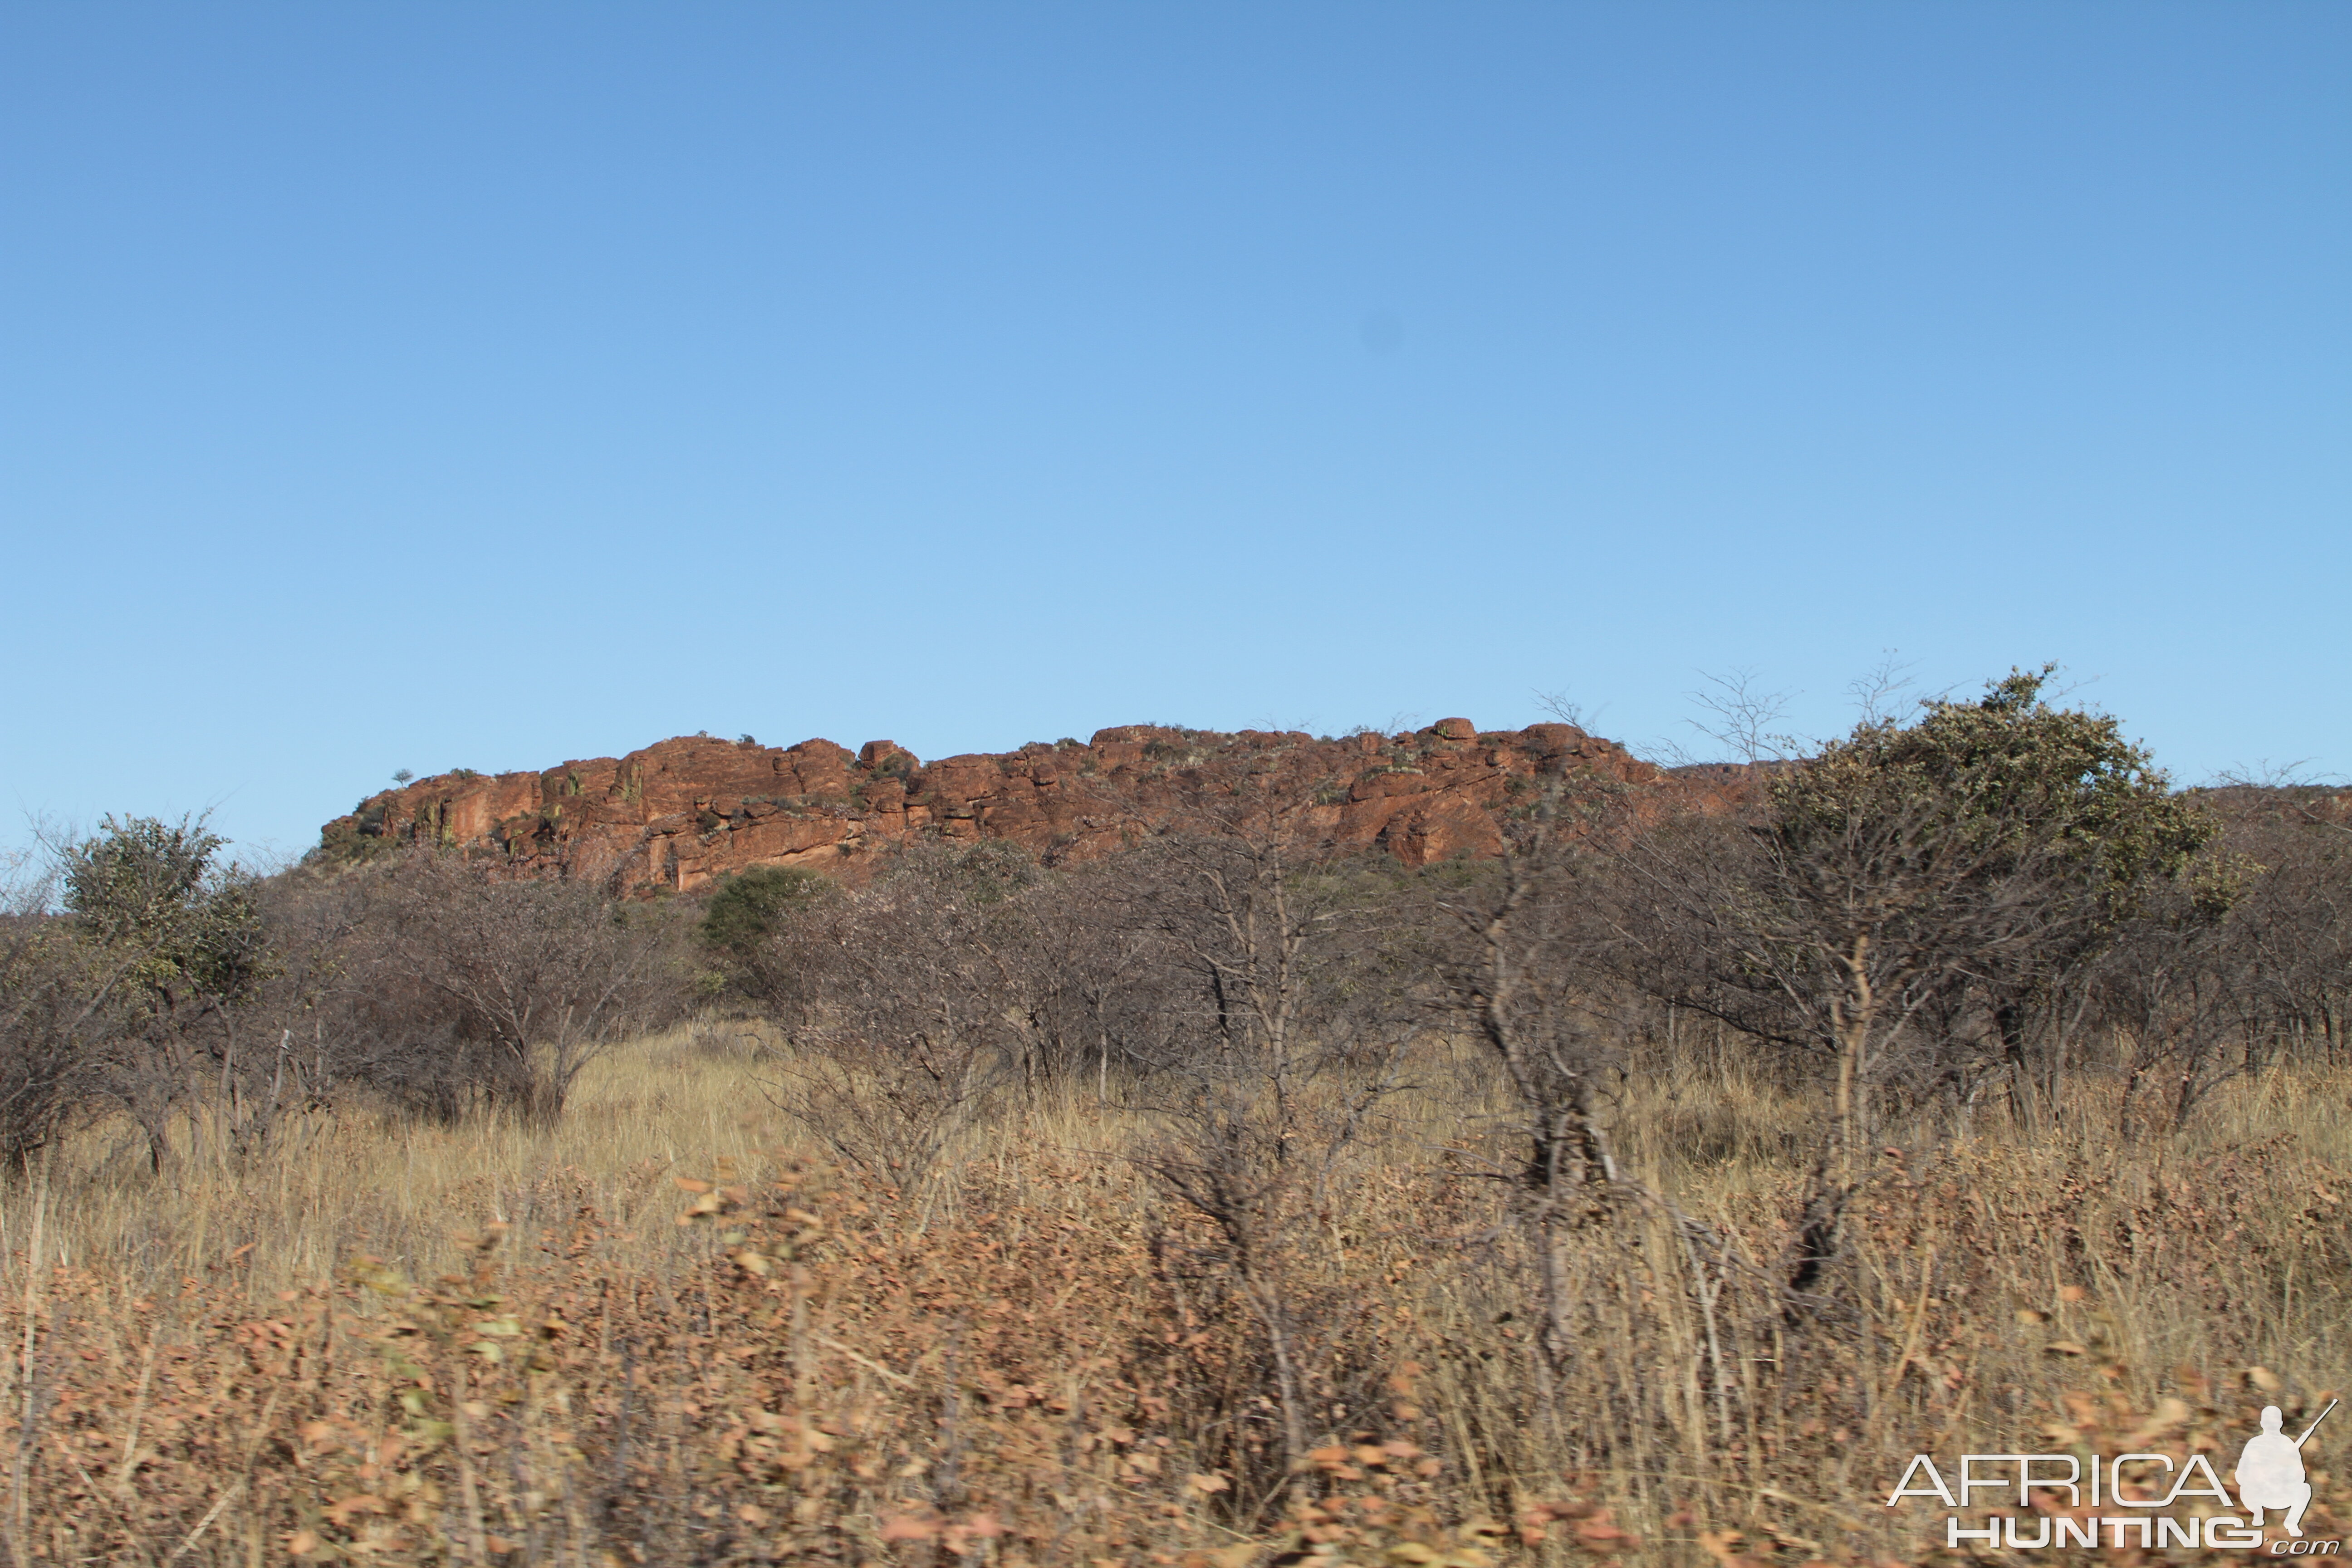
(681, 811)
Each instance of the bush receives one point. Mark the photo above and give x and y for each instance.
(748, 907)
(498, 989)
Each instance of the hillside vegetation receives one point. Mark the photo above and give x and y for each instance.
(1651, 1193)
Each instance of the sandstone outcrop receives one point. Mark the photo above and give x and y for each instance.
(679, 812)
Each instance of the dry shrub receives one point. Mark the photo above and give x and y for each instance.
(820, 1383)
(1047, 1362)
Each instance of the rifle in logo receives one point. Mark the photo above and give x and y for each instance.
(2270, 1470)
(2270, 1476)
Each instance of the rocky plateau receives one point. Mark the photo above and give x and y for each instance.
(679, 812)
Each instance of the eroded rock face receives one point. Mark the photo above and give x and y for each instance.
(678, 813)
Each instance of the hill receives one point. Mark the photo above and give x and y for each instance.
(683, 810)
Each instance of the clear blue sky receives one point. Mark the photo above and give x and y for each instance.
(491, 385)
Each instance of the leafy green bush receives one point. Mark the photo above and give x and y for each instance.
(745, 910)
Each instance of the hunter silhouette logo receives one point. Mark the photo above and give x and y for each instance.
(2270, 1472)
(2269, 1478)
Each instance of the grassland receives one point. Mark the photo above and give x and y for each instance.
(670, 1330)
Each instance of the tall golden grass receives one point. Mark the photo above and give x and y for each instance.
(665, 1330)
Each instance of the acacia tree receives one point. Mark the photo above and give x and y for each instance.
(1526, 979)
(52, 999)
(1536, 975)
(2171, 990)
(1286, 1016)
(2292, 934)
(536, 978)
(1101, 980)
(903, 1005)
(1902, 900)
(175, 941)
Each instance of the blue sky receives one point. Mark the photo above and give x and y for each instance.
(428, 386)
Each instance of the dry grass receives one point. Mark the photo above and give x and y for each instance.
(495, 1345)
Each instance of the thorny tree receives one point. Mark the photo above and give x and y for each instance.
(906, 1011)
(1902, 902)
(1533, 979)
(1525, 981)
(174, 940)
(539, 977)
(1288, 1024)
(52, 1003)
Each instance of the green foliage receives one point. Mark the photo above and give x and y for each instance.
(155, 895)
(748, 906)
(2008, 778)
(353, 840)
